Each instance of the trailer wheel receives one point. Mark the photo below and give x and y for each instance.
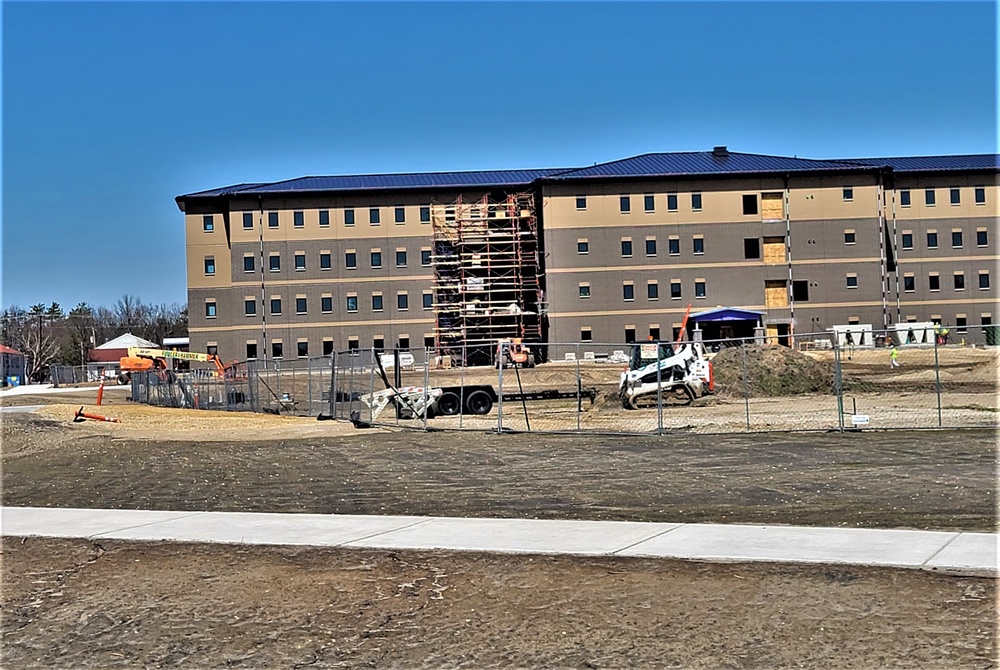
(479, 402)
(449, 404)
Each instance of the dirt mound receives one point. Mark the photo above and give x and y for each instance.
(771, 371)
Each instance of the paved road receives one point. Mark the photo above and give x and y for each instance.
(948, 552)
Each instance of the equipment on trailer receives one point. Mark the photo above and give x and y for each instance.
(141, 360)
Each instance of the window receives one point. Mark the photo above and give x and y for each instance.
(625, 204)
(649, 203)
(348, 217)
(248, 264)
(671, 202)
(904, 198)
(750, 204)
(377, 303)
(929, 197)
(699, 288)
(428, 341)
(696, 202)
(275, 305)
(674, 246)
(250, 307)
(586, 335)
(629, 334)
(934, 282)
(352, 343)
(698, 244)
(300, 262)
(675, 289)
(652, 290)
(327, 347)
(654, 332)
(300, 305)
(274, 263)
(751, 248)
(210, 309)
(276, 350)
(324, 218)
(400, 215)
(208, 223)
(210, 265)
(850, 237)
(956, 239)
(298, 219)
(909, 285)
(428, 300)
(400, 258)
(376, 258)
(248, 225)
(325, 260)
(628, 292)
(961, 323)
(302, 349)
(959, 281)
(626, 248)
(352, 303)
(581, 202)
(651, 246)
(955, 196)
(425, 257)
(584, 290)
(404, 342)
(251, 350)
(425, 214)
(932, 239)
(402, 301)
(583, 246)
(374, 216)
(326, 304)
(378, 343)
(907, 240)
(984, 279)
(852, 281)
(350, 260)
(848, 193)
(982, 238)
(800, 290)
(272, 219)
(980, 195)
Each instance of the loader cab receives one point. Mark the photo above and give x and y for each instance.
(645, 353)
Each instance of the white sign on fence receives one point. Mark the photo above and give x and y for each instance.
(859, 419)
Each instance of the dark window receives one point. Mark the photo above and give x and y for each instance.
(852, 281)
(699, 289)
(275, 305)
(248, 225)
(626, 248)
(934, 283)
(980, 195)
(929, 197)
(674, 246)
(352, 344)
(625, 203)
(428, 341)
(750, 204)
(956, 238)
(904, 198)
(325, 261)
(324, 217)
(696, 201)
(276, 350)
(404, 343)
(848, 193)
(400, 259)
(352, 303)
(348, 217)
(208, 223)
(378, 343)
(961, 324)
(850, 237)
(583, 247)
(326, 304)
(327, 347)
(350, 260)
(628, 291)
(751, 247)
(653, 291)
(212, 350)
(671, 202)
(250, 307)
(629, 335)
(251, 350)
(272, 219)
(428, 300)
(650, 247)
(654, 333)
(649, 203)
(376, 259)
(800, 290)
(374, 216)
(959, 282)
(984, 280)
(377, 303)
(210, 310)
(300, 262)
(698, 245)
(300, 306)
(982, 239)
(956, 196)
(581, 202)
(400, 215)
(675, 289)
(210, 265)
(274, 263)
(586, 335)
(298, 219)
(425, 215)
(907, 240)
(932, 240)
(302, 349)
(584, 290)
(909, 284)
(425, 257)
(248, 264)
(402, 301)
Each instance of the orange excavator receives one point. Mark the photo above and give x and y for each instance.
(143, 360)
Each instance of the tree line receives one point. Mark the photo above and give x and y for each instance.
(47, 335)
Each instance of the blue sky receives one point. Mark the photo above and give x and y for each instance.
(110, 110)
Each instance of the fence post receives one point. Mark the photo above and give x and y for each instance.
(579, 389)
(461, 389)
(309, 383)
(937, 380)
(333, 384)
(427, 381)
(659, 391)
(371, 388)
(501, 353)
(838, 384)
(746, 384)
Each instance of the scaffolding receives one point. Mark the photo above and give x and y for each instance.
(486, 275)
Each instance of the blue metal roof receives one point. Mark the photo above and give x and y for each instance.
(727, 314)
(703, 163)
(934, 163)
(220, 191)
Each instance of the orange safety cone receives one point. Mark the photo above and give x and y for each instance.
(81, 415)
(100, 394)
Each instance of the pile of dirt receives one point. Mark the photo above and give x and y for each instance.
(770, 371)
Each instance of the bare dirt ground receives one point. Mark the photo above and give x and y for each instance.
(116, 604)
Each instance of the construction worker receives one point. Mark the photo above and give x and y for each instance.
(893, 355)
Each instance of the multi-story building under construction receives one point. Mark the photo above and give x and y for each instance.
(608, 253)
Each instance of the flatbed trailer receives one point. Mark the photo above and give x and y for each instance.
(479, 398)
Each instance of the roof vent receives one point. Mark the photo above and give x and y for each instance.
(720, 152)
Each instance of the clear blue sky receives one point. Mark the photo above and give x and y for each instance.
(110, 110)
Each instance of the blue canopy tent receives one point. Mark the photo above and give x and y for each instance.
(725, 323)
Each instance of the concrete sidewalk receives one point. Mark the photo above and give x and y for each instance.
(948, 552)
